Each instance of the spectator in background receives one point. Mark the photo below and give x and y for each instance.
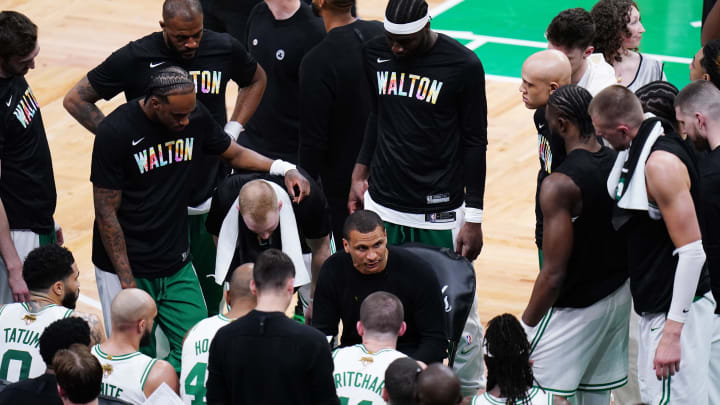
(79, 376)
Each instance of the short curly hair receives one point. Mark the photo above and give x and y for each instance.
(61, 334)
(611, 18)
(711, 61)
(47, 265)
(572, 28)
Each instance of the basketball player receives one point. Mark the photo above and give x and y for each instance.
(212, 60)
(240, 300)
(380, 324)
(128, 374)
(657, 98)
(423, 154)
(578, 314)
(27, 184)
(79, 376)
(657, 201)
(542, 73)
(438, 385)
(572, 32)
(335, 104)
(704, 65)
(142, 160)
(697, 107)
(52, 278)
(279, 34)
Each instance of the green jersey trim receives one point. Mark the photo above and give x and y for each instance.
(146, 373)
(108, 357)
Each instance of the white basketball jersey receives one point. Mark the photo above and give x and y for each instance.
(193, 373)
(535, 396)
(124, 376)
(20, 343)
(360, 375)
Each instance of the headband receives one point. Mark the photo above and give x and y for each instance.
(407, 28)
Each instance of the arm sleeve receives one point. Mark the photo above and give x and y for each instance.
(111, 76)
(371, 128)
(106, 168)
(322, 385)
(430, 320)
(326, 308)
(216, 139)
(312, 214)
(317, 94)
(473, 126)
(217, 392)
(243, 64)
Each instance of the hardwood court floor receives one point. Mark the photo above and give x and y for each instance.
(75, 35)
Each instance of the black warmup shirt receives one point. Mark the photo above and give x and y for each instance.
(341, 289)
(279, 46)
(27, 184)
(34, 391)
(651, 262)
(598, 262)
(151, 166)
(426, 140)
(710, 182)
(311, 216)
(336, 104)
(266, 358)
(219, 59)
(551, 150)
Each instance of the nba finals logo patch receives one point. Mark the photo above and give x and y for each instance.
(29, 318)
(107, 370)
(366, 361)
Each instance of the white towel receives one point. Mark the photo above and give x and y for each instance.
(203, 208)
(289, 238)
(635, 198)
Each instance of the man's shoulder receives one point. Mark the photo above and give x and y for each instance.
(114, 122)
(146, 47)
(338, 260)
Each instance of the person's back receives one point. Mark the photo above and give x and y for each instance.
(125, 375)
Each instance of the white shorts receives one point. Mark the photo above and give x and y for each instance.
(24, 242)
(714, 394)
(690, 384)
(583, 348)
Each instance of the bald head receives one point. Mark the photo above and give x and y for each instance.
(240, 282)
(129, 306)
(542, 73)
(185, 9)
(256, 199)
(438, 385)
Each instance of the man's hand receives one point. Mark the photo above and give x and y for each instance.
(293, 179)
(127, 281)
(470, 240)
(357, 195)
(18, 286)
(668, 352)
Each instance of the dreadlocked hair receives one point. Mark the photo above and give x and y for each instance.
(507, 356)
(405, 11)
(571, 102)
(658, 97)
(611, 18)
(711, 61)
(168, 81)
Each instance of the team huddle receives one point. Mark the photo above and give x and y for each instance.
(327, 182)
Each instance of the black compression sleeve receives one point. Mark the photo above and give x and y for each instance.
(369, 141)
(473, 122)
(317, 96)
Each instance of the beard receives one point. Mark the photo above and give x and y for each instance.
(145, 339)
(69, 300)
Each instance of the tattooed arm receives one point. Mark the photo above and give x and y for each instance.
(80, 103)
(97, 331)
(107, 203)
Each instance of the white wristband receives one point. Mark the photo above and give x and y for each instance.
(233, 128)
(691, 259)
(474, 215)
(280, 167)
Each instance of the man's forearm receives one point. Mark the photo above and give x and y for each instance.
(80, 103)
(243, 158)
(107, 203)
(248, 98)
(7, 247)
(544, 294)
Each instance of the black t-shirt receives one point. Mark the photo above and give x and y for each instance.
(34, 391)
(311, 215)
(651, 261)
(335, 105)
(266, 358)
(27, 184)
(341, 289)
(426, 140)
(279, 46)
(710, 181)
(598, 262)
(151, 166)
(219, 59)
(551, 151)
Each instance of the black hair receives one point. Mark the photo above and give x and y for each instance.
(47, 265)
(78, 373)
(61, 334)
(401, 380)
(711, 61)
(342, 5)
(571, 102)
(272, 270)
(658, 97)
(18, 35)
(185, 9)
(507, 356)
(382, 312)
(363, 221)
(168, 81)
(405, 11)
(572, 28)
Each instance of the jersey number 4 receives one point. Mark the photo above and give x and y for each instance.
(195, 383)
(346, 401)
(23, 357)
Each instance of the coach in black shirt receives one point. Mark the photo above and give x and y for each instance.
(266, 358)
(278, 37)
(368, 265)
(335, 104)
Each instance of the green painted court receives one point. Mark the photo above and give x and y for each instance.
(504, 33)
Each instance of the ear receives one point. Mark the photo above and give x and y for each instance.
(279, 205)
(554, 86)
(346, 246)
(403, 329)
(562, 123)
(58, 288)
(588, 51)
(162, 24)
(624, 129)
(360, 328)
(61, 391)
(706, 77)
(253, 287)
(385, 395)
(290, 286)
(226, 295)
(701, 120)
